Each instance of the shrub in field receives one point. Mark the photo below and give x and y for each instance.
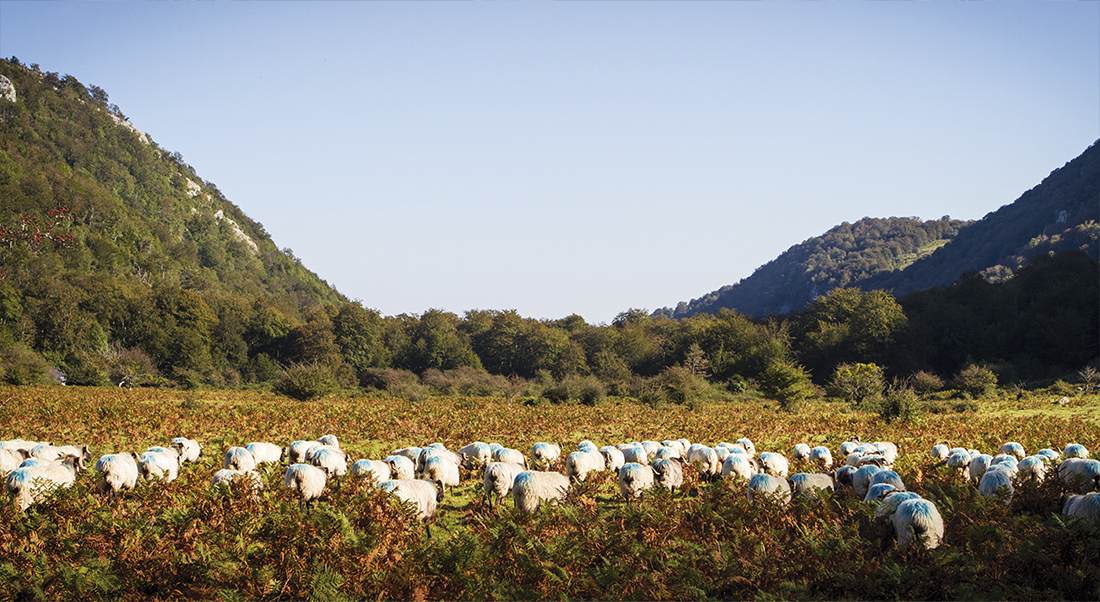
(384, 378)
(588, 390)
(786, 382)
(465, 381)
(975, 381)
(861, 385)
(925, 383)
(899, 403)
(305, 382)
(21, 366)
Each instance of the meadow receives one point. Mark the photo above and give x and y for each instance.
(180, 540)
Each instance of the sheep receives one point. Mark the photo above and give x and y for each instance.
(613, 458)
(917, 520)
(412, 453)
(676, 444)
(1012, 448)
(532, 487)
(425, 495)
(332, 460)
(844, 475)
(308, 480)
(741, 466)
(1075, 450)
(579, 463)
(996, 483)
(120, 471)
(774, 464)
(706, 461)
(650, 448)
(10, 459)
(878, 492)
(31, 484)
(888, 477)
(159, 463)
(21, 445)
(800, 452)
(587, 446)
(978, 465)
(805, 484)
(378, 470)
(891, 501)
(441, 470)
(330, 450)
(959, 460)
(56, 453)
(821, 455)
(296, 451)
(1033, 468)
(1046, 452)
(498, 479)
(861, 480)
(1080, 474)
(328, 440)
(476, 454)
(226, 476)
(634, 478)
(939, 451)
(747, 444)
(238, 458)
(265, 453)
(545, 454)
(1085, 506)
(769, 487)
(402, 467)
(189, 450)
(665, 452)
(668, 473)
(436, 450)
(848, 447)
(635, 453)
(514, 456)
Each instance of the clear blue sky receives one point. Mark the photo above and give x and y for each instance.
(583, 157)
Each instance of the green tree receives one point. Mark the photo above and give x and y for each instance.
(360, 333)
(786, 382)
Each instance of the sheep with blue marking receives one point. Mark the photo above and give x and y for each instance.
(773, 464)
(613, 457)
(189, 450)
(821, 456)
(330, 459)
(224, 477)
(634, 478)
(668, 473)
(33, 483)
(806, 484)
(746, 443)
(513, 456)
(120, 471)
(740, 467)
(497, 480)
(579, 463)
(425, 495)
(918, 521)
(634, 452)
(997, 484)
(888, 477)
(545, 454)
(705, 460)
(159, 463)
(1075, 450)
(297, 450)
(1084, 506)
(768, 486)
(441, 470)
(308, 480)
(402, 467)
(476, 454)
(978, 465)
(10, 459)
(531, 488)
(376, 470)
(265, 453)
(861, 480)
(940, 451)
(1032, 468)
(878, 492)
(1080, 474)
(1012, 448)
(238, 458)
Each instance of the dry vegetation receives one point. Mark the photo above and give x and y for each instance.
(180, 541)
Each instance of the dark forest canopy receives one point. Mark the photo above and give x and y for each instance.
(119, 264)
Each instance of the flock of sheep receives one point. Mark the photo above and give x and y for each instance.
(421, 476)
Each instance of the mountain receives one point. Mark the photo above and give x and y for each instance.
(905, 254)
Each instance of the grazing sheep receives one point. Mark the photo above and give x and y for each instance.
(939, 451)
(1085, 506)
(498, 479)
(545, 454)
(805, 484)
(189, 450)
(891, 502)
(960, 461)
(21, 445)
(1046, 452)
(668, 473)
(635, 453)
(705, 460)
(328, 440)
(741, 466)
(665, 452)
(888, 477)
(329, 450)
(747, 444)
(264, 452)
(878, 492)
(441, 470)
(425, 495)
(1032, 468)
(476, 454)
(769, 486)
(57, 453)
(861, 480)
(587, 446)
(650, 448)
(1080, 474)
(413, 453)
(378, 470)
(120, 471)
(848, 447)
(676, 444)
(296, 451)
(159, 463)
(634, 478)
(773, 464)
(978, 465)
(226, 476)
(1075, 450)
(332, 460)
(532, 487)
(31, 484)
(613, 457)
(10, 459)
(996, 483)
(436, 450)
(918, 520)
(238, 458)
(1013, 449)
(514, 456)
(844, 475)
(402, 467)
(308, 480)
(579, 463)
(800, 452)
(821, 455)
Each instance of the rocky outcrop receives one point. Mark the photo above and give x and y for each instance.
(7, 89)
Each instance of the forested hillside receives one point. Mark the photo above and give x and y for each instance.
(120, 264)
(904, 254)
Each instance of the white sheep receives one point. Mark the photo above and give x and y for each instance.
(741, 466)
(844, 475)
(996, 483)
(613, 458)
(54, 453)
(238, 458)
(379, 470)
(425, 495)
(545, 454)
(769, 486)
(441, 470)
(878, 492)
(159, 463)
(959, 459)
(531, 488)
(1085, 506)
(888, 477)
(1013, 449)
(821, 455)
(847, 447)
(413, 453)
(436, 450)
(773, 464)
(308, 480)
(1075, 450)
(668, 473)
(917, 520)
(634, 478)
(477, 453)
(891, 502)
(1080, 474)
(675, 444)
(805, 484)
(120, 471)
(506, 454)
(330, 459)
(665, 452)
(1046, 452)
(939, 451)
(861, 480)
(189, 450)
(705, 460)
(1032, 468)
(651, 448)
(402, 467)
(634, 452)
(21, 445)
(579, 463)
(31, 484)
(978, 465)
(296, 451)
(587, 446)
(226, 476)
(800, 452)
(264, 452)
(10, 459)
(747, 444)
(329, 440)
(498, 479)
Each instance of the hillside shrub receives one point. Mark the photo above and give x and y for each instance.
(786, 382)
(306, 382)
(900, 403)
(587, 390)
(861, 385)
(925, 383)
(21, 366)
(975, 381)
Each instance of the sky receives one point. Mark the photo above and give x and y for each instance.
(582, 157)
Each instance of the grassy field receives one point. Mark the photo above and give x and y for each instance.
(179, 540)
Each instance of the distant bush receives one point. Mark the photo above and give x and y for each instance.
(925, 383)
(383, 379)
(975, 381)
(306, 382)
(900, 403)
(786, 382)
(588, 390)
(861, 385)
(21, 366)
(466, 381)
